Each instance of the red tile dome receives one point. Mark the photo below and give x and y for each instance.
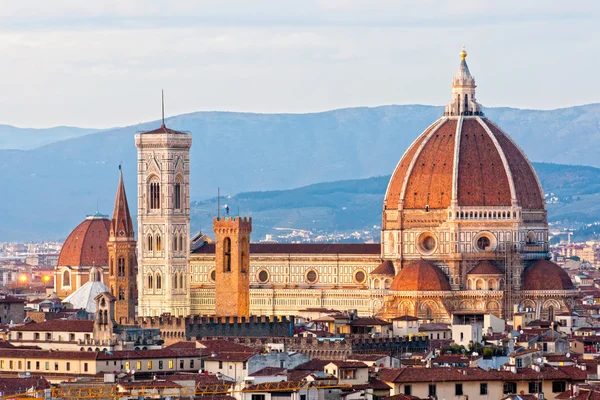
(546, 275)
(469, 159)
(86, 245)
(420, 275)
(485, 268)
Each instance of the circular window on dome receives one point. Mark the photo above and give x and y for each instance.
(485, 241)
(263, 276)
(360, 276)
(427, 243)
(213, 275)
(312, 276)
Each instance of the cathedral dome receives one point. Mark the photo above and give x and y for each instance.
(485, 268)
(420, 275)
(546, 275)
(86, 245)
(465, 160)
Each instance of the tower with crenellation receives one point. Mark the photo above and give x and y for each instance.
(232, 263)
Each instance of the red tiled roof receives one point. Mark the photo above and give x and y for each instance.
(482, 177)
(13, 386)
(57, 325)
(405, 318)
(462, 374)
(349, 364)
(485, 268)
(269, 371)
(385, 268)
(163, 130)
(420, 275)
(11, 299)
(546, 275)
(303, 248)
(86, 245)
(313, 365)
(368, 321)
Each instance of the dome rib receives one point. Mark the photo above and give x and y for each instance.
(455, 165)
(418, 153)
(529, 196)
(511, 183)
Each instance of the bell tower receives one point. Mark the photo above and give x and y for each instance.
(163, 222)
(122, 259)
(232, 257)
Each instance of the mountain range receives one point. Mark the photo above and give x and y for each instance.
(49, 189)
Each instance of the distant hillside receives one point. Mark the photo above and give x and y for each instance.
(15, 138)
(356, 204)
(51, 188)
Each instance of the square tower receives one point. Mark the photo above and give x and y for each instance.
(232, 258)
(163, 222)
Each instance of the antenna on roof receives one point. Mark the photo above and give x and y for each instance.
(162, 91)
(219, 203)
(120, 165)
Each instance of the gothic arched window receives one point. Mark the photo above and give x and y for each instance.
(175, 280)
(181, 242)
(181, 281)
(177, 195)
(121, 266)
(227, 255)
(121, 293)
(158, 243)
(150, 285)
(150, 243)
(158, 281)
(174, 242)
(154, 195)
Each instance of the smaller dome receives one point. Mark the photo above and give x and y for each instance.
(485, 268)
(86, 245)
(385, 268)
(545, 275)
(420, 275)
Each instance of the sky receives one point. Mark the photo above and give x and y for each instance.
(103, 64)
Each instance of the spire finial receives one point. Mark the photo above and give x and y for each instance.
(463, 53)
(163, 106)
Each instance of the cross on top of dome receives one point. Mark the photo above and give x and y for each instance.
(463, 91)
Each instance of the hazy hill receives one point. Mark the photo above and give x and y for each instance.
(12, 137)
(48, 190)
(356, 204)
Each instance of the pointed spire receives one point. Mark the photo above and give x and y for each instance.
(121, 224)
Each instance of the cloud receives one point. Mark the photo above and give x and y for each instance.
(102, 64)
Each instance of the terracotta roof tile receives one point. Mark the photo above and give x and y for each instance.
(86, 245)
(482, 177)
(57, 325)
(486, 268)
(420, 275)
(430, 181)
(385, 268)
(546, 275)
